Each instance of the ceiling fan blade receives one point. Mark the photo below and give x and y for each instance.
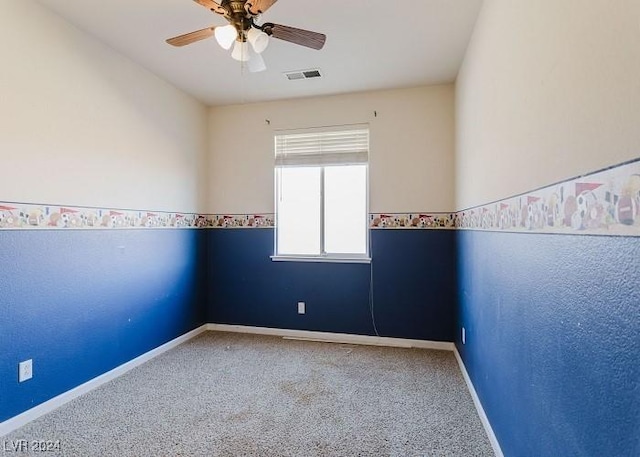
(313, 40)
(213, 6)
(259, 6)
(192, 37)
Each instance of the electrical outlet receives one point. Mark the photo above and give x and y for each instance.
(464, 336)
(25, 370)
(301, 307)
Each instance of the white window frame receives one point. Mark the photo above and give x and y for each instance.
(324, 256)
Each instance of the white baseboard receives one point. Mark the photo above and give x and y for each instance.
(476, 401)
(342, 338)
(22, 419)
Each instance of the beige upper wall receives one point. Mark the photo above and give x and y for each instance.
(411, 157)
(82, 125)
(549, 89)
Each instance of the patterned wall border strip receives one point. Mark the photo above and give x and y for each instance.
(413, 220)
(41, 216)
(242, 221)
(21, 216)
(606, 202)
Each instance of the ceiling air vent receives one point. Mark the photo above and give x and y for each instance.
(303, 74)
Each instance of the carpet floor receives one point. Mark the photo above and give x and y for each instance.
(226, 394)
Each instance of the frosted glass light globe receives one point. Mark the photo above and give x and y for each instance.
(225, 36)
(258, 39)
(241, 51)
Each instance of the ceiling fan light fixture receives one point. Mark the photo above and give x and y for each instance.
(258, 39)
(225, 36)
(241, 51)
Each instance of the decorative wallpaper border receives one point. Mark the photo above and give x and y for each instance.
(34, 216)
(413, 220)
(606, 202)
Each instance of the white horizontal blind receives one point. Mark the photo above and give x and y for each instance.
(348, 146)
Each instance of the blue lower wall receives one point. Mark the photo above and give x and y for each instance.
(413, 285)
(551, 320)
(81, 302)
(552, 346)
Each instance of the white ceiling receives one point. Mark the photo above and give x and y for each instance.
(371, 44)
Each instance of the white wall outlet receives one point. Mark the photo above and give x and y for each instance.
(301, 307)
(464, 336)
(25, 370)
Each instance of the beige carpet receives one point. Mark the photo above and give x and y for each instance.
(241, 395)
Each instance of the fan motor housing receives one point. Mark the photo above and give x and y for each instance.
(234, 6)
(237, 14)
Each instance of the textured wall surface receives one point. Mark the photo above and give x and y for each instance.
(549, 89)
(84, 125)
(81, 302)
(413, 285)
(552, 341)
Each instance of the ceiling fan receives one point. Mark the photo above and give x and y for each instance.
(248, 38)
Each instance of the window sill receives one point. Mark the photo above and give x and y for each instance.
(292, 258)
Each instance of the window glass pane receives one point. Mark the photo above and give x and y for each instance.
(298, 225)
(345, 209)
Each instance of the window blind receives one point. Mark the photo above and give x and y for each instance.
(322, 148)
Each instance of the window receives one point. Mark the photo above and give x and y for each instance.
(322, 194)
